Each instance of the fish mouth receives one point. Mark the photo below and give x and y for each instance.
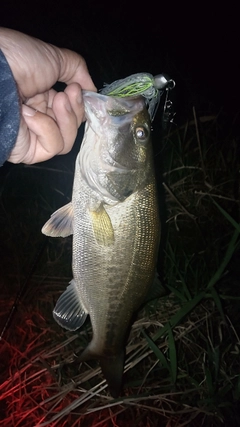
(102, 106)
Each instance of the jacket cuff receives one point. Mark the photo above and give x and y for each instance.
(10, 110)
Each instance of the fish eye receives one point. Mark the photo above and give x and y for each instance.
(141, 133)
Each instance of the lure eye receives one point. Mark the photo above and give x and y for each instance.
(141, 133)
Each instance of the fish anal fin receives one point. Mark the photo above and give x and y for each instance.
(68, 311)
(157, 290)
(102, 226)
(60, 223)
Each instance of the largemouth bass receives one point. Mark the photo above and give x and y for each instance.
(114, 219)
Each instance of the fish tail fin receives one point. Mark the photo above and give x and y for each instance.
(112, 369)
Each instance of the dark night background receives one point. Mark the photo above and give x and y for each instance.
(196, 44)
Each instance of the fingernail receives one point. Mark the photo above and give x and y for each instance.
(28, 111)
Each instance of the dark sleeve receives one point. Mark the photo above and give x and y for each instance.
(10, 111)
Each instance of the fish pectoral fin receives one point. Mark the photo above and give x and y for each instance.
(102, 226)
(60, 223)
(68, 311)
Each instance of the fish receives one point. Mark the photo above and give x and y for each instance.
(114, 220)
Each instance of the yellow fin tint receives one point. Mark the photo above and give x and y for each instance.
(102, 227)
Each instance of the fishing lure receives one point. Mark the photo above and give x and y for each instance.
(150, 87)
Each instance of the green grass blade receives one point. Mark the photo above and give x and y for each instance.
(172, 354)
(218, 303)
(229, 253)
(179, 316)
(186, 309)
(158, 353)
(186, 291)
(176, 292)
(237, 389)
(227, 216)
(209, 382)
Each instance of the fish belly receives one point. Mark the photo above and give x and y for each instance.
(113, 280)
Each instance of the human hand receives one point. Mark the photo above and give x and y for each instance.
(50, 119)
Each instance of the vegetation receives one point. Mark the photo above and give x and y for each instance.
(182, 364)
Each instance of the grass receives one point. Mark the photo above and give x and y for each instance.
(182, 364)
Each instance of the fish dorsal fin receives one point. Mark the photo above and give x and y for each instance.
(102, 226)
(68, 311)
(60, 223)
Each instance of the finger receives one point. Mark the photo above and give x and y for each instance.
(38, 140)
(74, 93)
(68, 116)
(73, 68)
(42, 102)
